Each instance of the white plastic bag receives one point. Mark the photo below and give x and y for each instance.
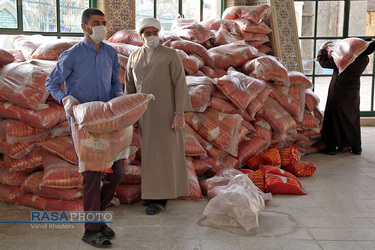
(238, 205)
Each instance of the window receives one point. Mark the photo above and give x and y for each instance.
(166, 11)
(49, 17)
(319, 21)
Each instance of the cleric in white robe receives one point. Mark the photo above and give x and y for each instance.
(158, 70)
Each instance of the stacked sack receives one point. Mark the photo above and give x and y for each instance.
(272, 172)
(39, 164)
(245, 100)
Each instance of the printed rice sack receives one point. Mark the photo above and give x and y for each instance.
(12, 178)
(118, 113)
(5, 57)
(289, 156)
(290, 98)
(19, 149)
(232, 55)
(213, 151)
(17, 54)
(253, 28)
(13, 131)
(345, 51)
(269, 157)
(310, 122)
(263, 128)
(98, 151)
(47, 66)
(60, 130)
(52, 49)
(123, 60)
(318, 114)
(41, 119)
(243, 132)
(61, 146)
(235, 90)
(24, 84)
(258, 102)
(30, 162)
(192, 63)
(27, 44)
(279, 119)
(213, 192)
(223, 36)
(270, 68)
(265, 49)
(191, 48)
(9, 193)
(213, 73)
(200, 89)
(123, 48)
(222, 105)
(220, 129)
(129, 36)
(192, 31)
(239, 88)
(132, 175)
(257, 177)
(194, 188)
(217, 23)
(198, 73)
(274, 170)
(277, 184)
(301, 169)
(32, 184)
(128, 193)
(200, 166)
(298, 78)
(312, 99)
(192, 145)
(248, 148)
(59, 173)
(33, 200)
(255, 39)
(254, 13)
(219, 164)
(248, 126)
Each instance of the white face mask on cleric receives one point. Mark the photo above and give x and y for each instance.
(151, 42)
(98, 33)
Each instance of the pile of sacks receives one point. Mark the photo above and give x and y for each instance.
(245, 103)
(39, 165)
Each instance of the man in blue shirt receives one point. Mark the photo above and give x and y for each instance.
(90, 71)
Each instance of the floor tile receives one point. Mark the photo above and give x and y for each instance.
(338, 212)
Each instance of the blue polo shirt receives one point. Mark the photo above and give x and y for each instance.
(88, 75)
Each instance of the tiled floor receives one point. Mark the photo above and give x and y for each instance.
(338, 212)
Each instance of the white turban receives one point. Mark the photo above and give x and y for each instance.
(147, 22)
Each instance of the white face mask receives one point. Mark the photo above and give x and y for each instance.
(151, 42)
(98, 33)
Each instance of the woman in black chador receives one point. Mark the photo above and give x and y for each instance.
(341, 124)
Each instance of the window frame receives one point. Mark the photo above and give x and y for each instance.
(345, 34)
(222, 6)
(58, 33)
